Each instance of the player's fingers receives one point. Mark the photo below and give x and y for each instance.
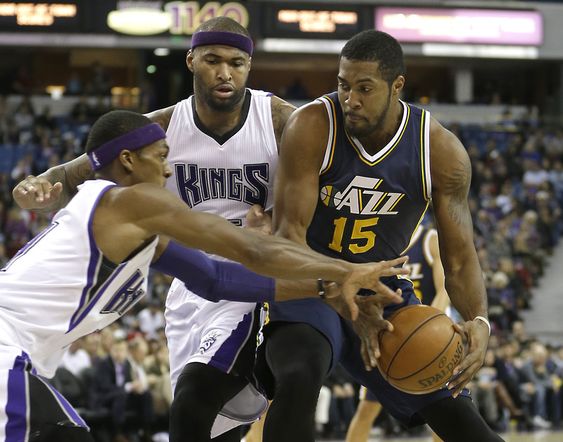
(349, 295)
(365, 355)
(462, 380)
(56, 190)
(397, 261)
(394, 271)
(46, 188)
(374, 349)
(20, 190)
(386, 294)
(387, 326)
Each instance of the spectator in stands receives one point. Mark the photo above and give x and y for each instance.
(157, 368)
(502, 301)
(82, 110)
(151, 318)
(74, 84)
(45, 119)
(543, 385)
(510, 380)
(100, 82)
(116, 388)
(92, 344)
(22, 81)
(76, 358)
(483, 392)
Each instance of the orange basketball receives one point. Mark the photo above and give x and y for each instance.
(419, 355)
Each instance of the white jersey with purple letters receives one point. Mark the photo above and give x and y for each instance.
(56, 289)
(222, 175)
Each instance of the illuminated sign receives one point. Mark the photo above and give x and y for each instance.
(187, 16)
(139, 21)
(37, 14)
(310, 21)
(479, 26)
(317, 21)
(178, 18)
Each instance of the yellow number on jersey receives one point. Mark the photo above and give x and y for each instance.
(364, 239)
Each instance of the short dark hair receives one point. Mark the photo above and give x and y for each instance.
(372, 45)
(223, 24)
(112, 125)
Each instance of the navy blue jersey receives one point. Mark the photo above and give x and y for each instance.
(370, 205)
(420, 265)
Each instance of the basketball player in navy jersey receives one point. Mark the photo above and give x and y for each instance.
(365, 166)
(91, 265)
(223, 146)
(427, 275)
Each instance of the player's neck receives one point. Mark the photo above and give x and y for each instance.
(215, 121)
(379, 138)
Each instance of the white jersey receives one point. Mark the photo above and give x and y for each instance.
(224, 175)
(57, 288)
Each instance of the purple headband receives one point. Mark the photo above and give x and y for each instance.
(136, 139)
(204, 38)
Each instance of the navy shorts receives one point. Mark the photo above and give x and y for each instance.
(315, 313)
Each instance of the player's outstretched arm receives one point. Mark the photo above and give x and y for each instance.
(451, 177)
(157, 211)
(217, 280)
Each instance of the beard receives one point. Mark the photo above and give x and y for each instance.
(367, 129)
(218, 104)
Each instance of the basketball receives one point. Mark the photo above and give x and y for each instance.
(419, 355)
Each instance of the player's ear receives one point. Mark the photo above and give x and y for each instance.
(190, 60)
(398, 84)
(126, 160)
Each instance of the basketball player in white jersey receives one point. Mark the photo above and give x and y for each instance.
(91, 265)
(223, 151)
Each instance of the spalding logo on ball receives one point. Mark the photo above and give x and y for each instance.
(421, 352)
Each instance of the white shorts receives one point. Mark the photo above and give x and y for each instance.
(27, 400)
(221, 334)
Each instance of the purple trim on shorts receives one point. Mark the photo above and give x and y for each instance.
(95, 258)
(16, 405)
(133, 140)
(205, 38)
(71, 412)
(225, 357)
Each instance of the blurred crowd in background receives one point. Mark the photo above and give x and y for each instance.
(516, 201)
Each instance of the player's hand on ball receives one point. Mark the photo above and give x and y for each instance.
(369, 325)
(36, 193)
(366, 276)
(476, 337)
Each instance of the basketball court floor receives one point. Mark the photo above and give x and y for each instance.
(537, 436)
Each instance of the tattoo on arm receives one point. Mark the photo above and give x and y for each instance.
(456, 188)
(77, 175)
(281, 112)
